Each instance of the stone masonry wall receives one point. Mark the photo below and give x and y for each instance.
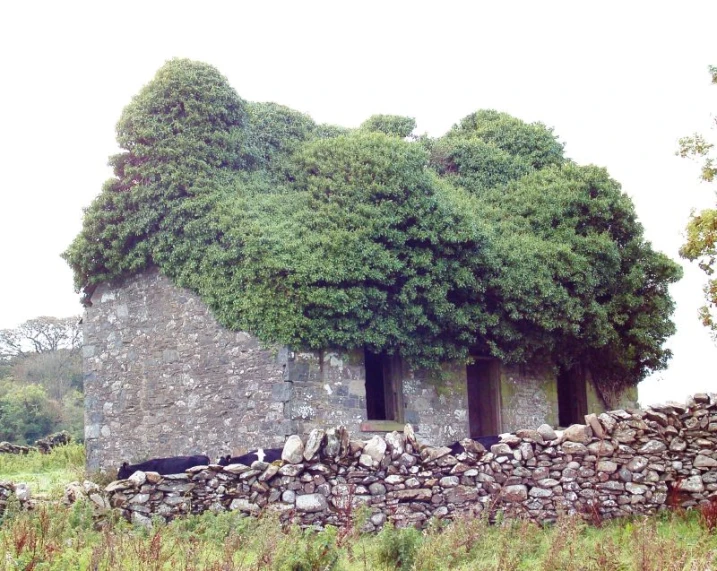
(617, 464)
(163, 378)
(528, 398)
(330, 389)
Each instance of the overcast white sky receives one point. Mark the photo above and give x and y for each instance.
(619, 81)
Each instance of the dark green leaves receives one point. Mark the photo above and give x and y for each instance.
(374, 251)
(486, 240)
(179, 136)
(577, 281)
(533, 142)
(393, 125)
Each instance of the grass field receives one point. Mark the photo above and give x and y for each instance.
(58, 537)
(45, 474)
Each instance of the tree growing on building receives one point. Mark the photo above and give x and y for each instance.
(487, 240)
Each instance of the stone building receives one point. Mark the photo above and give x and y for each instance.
(163, 378)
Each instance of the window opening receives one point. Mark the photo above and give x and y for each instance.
(483, 382)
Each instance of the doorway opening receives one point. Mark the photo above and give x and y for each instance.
(572, 396)
(384, 394)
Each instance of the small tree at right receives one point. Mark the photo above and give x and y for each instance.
(701, 244)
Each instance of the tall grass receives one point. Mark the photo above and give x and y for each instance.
(58, 537)
(65, 538)
(45, 474)
(70, 456)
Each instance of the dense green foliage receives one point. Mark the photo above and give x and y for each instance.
(533, 143)
(182, 137)
(394, 125)
(577, 282)
(26, 413)
(476, 164)
(486, 240)
(275, 133)
(41, 380)
(701, 244)
(376, 251)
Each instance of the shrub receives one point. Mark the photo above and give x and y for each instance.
(397, 547)
(308, 550)
(26, 413)
(708, 515)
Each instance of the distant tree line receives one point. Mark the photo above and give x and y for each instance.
(486, 240)
(41, 380)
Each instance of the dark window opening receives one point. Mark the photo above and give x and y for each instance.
(384, 398)
(572, 396)
(483, 378)
(375, 403)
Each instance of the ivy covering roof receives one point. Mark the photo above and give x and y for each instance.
(487, 240)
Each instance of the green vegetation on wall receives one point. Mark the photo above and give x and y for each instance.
(484, 240)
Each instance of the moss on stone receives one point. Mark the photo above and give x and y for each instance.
(354, 358)
(446, 381)
(628, 398)
(595, 404)
(547, 385)
(550, 388)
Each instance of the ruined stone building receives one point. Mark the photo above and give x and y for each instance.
(163, 378)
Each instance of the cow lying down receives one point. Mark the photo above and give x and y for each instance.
(173, 465)
(260, 454)
(468, 444)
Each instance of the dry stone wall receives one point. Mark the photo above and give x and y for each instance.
(619, 463)
(9, 448)
(44, 445)
(10, 491)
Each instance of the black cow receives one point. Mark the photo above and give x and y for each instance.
(486, 441)
(261, 454)
(174, 465)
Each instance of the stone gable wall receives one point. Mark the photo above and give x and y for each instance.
(619, 463)
(162, 378)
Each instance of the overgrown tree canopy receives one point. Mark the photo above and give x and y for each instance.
(701, 244)
(486, 240)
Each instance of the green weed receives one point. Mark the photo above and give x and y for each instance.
(397, 547)
(69, 457)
